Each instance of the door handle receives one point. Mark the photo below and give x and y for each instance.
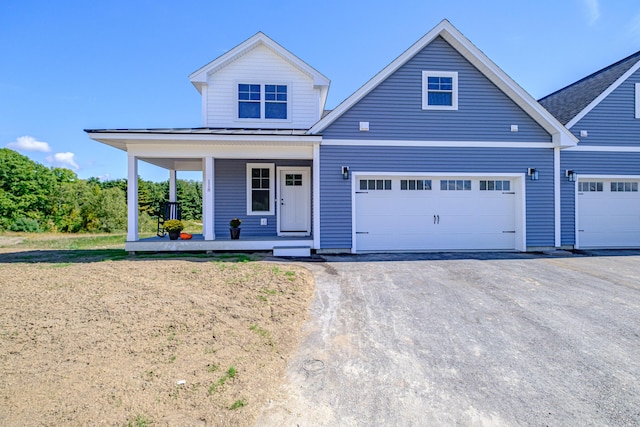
(438, 219)
(434, 219)
(282, 202)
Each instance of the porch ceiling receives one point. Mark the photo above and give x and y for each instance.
(191, 164)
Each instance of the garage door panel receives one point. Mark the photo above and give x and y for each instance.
(453, 213)
(607, 218)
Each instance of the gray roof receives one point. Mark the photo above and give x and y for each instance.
(206, 131)
(568, 102)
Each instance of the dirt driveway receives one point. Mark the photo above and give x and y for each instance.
(497, 339)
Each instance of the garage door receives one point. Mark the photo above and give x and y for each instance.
(435, 213)
(608, 213)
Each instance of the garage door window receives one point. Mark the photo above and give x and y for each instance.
(590, 186)
(495, 185)
(415, 184)
(455, 185)
(625, 187)
(375, 184)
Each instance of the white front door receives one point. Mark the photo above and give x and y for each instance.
(294, 201)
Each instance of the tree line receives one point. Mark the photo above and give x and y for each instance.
(36, 198)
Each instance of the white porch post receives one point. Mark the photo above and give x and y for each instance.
(173, 193)
(316, 196)
(208, 203)
(132, 199)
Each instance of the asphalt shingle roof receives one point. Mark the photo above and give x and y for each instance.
(568, 102)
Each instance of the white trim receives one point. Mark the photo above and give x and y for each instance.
(637, 87)
(272, 181)
(200, 75)
(208, 138)
(520, 210)
(604, 148)
(603, 95)
(208, 186)
(411, 143)
(560, 135)
(205, 103)
(173, 177)
(132, 198)
(425, 90)
(315, 198)
(307, 178)
(557, 211)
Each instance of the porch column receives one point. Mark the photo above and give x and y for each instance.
(316, 196)
(208, 186)
(173, 193)
(132, 199)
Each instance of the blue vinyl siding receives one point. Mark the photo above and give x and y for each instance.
(394, 108)
(612, 121)
(335, 193)
(589, 163)
(231, 197)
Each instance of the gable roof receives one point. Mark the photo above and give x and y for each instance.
(572, 103)
(560, 135)
(320, 81)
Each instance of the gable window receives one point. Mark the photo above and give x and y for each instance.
(258, 101)
(248, 101)
(260, 185)
(439, 90)
(275, 102)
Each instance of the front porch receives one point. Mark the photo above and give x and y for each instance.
(198, 243)
(268, 178)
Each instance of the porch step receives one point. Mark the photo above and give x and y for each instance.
(301, 251)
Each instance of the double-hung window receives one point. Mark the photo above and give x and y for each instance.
(262, 101)
(260, 188)
(439, 90)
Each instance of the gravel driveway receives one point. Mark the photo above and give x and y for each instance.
(468, 340)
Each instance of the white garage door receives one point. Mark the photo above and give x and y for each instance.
(435, 213)
(608, 213)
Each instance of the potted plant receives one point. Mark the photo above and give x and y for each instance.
(173, 227)
(234, 229)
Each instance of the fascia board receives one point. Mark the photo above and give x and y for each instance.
(200, 75)
(127, 138)
(377, 79)
(474, 55)
(603, 95)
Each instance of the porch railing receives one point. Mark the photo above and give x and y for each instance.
(168, 210)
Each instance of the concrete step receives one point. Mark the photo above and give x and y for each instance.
(293, 251)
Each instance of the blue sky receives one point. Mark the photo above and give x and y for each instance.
(70, 65)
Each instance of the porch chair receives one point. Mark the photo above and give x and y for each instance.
(168, 210)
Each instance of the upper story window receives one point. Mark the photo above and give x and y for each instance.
(248, 101)
(257, 101)
(439, 90)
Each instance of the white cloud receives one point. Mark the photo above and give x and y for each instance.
(593, 10)
(65, 160)
(29, 143)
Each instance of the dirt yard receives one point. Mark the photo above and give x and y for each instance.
(138, 342)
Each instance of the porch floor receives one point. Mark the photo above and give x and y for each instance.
(197, 243)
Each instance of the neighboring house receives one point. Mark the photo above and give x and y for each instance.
(601, 202)
(441, 150)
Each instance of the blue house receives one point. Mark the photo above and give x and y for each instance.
(441, 150)
(599, 192)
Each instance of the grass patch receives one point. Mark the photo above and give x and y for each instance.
(140, 421)
(238, 404)
(230, 374)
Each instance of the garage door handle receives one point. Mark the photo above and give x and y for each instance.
(362, 192)
(436, 219)
(362, 232)
(509, 231)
